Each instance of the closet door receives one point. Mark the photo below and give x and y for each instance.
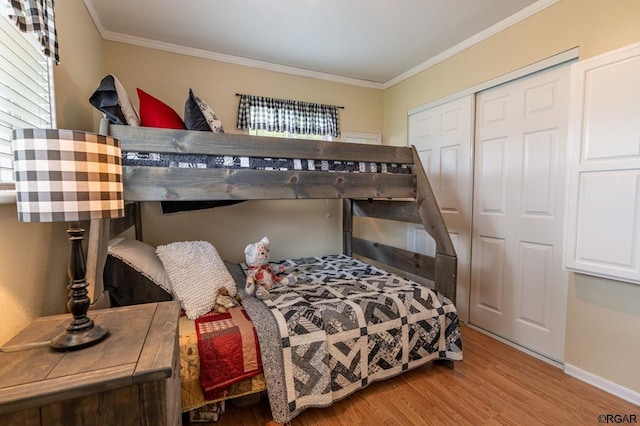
(518, 285)
(443, 137)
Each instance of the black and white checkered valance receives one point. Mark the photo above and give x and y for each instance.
(66, 175)
(281, 115)
(37, 16)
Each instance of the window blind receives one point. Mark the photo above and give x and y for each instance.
(25, 89)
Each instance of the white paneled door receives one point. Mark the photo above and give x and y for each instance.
(443, 137)
(518, 286)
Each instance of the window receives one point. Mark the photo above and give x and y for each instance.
(365, 138)
(255, 132)
(26, 92)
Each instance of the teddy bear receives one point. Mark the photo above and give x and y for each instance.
(262, 275)
(224, 301)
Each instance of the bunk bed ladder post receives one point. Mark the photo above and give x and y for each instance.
(446, 260)
(446, 269)
(97, 251)
(96, 257)
(100, 231)
(137, 218)
(347, 226)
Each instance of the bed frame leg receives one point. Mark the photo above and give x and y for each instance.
(445, 363)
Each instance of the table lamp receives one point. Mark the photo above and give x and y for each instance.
(69, 176)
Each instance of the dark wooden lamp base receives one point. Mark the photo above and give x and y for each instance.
(82, 332)
(71, 341)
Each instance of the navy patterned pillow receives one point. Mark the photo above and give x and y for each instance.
(199, 116)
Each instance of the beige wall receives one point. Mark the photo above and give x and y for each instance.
(33, 268)
(296, 228)
(81, 66)
(168, 77)
(33, 256)
(603, 324)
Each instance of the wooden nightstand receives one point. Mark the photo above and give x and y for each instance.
(130, 378)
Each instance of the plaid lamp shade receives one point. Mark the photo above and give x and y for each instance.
(66, 175)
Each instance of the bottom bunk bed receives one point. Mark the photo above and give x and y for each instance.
(345, 323)
(342, 326)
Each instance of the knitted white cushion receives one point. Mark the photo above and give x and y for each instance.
(197, 272)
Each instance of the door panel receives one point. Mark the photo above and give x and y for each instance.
(533, 301)
(493, 173)
(518, 286)
(491, 274)
(538, 189)
(443, 137)
(450, 161)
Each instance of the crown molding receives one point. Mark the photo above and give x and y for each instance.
(220, 57)
(471, 41)
(301, 72)
(94, 15)
(236, 60)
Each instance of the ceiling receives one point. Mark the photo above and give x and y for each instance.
(367, 42)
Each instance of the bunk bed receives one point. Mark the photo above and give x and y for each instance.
(381, 182)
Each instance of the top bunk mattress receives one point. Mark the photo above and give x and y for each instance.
(203, 161)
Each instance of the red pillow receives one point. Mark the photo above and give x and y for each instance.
(155, 113)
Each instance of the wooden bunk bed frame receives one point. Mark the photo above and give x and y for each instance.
(399, 197)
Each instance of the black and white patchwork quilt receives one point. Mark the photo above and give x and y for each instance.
(346, 324)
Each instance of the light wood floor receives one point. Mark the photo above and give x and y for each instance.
(494, 385)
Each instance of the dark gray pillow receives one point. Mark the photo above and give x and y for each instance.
(193, 118)
(134, 274)
(113, 101)
(199, 116)
(127, 286)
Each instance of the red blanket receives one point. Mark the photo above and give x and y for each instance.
(229, 351)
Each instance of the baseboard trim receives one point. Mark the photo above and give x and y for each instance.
(555, 363)
(604, 384)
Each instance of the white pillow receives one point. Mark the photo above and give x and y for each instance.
(141, 257)
(129, 111)
(196, 272)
